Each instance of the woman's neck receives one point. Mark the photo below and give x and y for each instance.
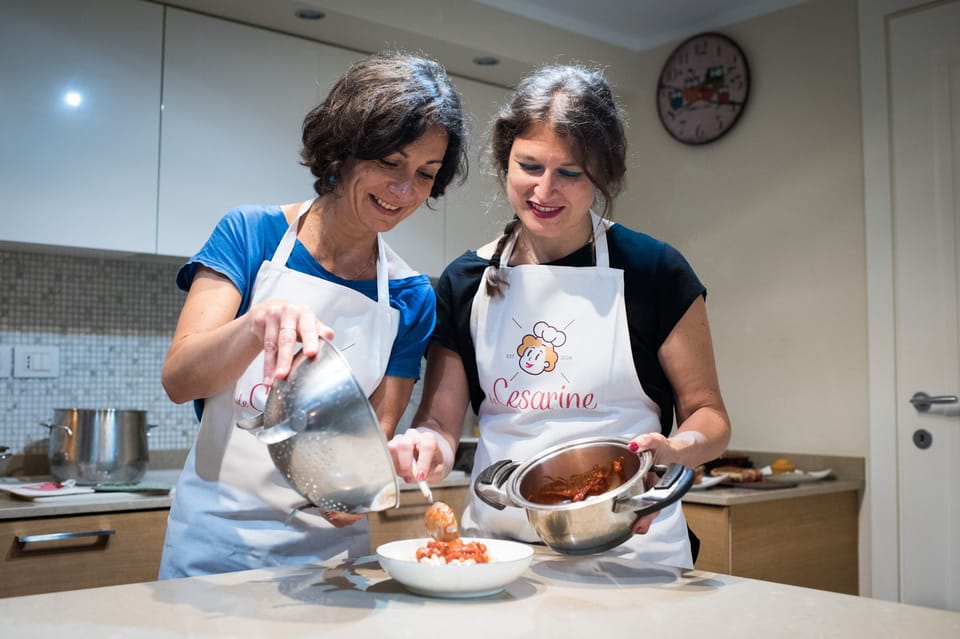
(337, 244)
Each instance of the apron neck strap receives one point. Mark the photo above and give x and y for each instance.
(282, 254)
(599, 226)
(289, 238)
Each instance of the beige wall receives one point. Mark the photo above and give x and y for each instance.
(771, 217)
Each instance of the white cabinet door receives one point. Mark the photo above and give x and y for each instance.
(469, 215)
(477, 211)
(234, 99)
(80, 112)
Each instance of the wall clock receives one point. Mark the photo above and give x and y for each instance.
(703, 88)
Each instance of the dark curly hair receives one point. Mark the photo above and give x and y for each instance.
(578, 104)
(380, 105)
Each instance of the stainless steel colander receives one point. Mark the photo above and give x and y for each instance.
(325, 438)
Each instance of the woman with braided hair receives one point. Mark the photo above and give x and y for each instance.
(621, 315)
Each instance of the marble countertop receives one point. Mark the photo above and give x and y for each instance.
(558, 596)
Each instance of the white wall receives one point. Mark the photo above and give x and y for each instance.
(771, 217)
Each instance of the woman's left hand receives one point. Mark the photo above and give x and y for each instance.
(340, 520)
(663, 454)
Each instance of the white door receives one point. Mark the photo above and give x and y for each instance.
(924, 99)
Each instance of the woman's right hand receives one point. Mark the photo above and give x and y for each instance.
(279, 325)
(420, 454)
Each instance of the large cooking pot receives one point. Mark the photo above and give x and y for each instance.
(599, 522)
(324, 437)
(98, 446)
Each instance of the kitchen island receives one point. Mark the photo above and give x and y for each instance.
(558, 596)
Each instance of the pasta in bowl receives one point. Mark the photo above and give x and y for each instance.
(435, 577)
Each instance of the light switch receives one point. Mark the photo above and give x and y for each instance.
(36, 361)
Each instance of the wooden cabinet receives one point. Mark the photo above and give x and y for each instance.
(803, 541)
(81, 113)
(406, 521)
(50, 554)
(234, 99)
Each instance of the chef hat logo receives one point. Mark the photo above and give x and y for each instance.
(538, 352)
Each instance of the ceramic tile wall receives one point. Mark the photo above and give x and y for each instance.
(112, 320)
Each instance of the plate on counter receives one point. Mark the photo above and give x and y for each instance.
(708, 482)
(800, 476)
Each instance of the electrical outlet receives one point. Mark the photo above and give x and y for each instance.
(6, 361)
(36, 361)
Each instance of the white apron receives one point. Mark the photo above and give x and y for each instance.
(555, 363)
(232, 509)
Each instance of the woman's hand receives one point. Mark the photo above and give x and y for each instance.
(420, 454)
(279, 325)
(340, 520)
(642, 524)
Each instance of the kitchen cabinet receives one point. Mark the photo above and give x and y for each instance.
(470, 214)
(808, 541)
(234, 99)
(81, 111)
(102, 549)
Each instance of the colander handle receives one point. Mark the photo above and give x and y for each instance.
(489, 482)
(675, 481)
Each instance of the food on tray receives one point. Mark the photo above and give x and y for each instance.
(578, 487)
(447, 547)
(782, 465)
(698, 473)
(737, 474)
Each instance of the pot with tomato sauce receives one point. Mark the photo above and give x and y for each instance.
(582, 497)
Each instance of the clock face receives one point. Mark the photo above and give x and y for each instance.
(703, 88)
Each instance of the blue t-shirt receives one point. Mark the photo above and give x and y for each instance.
(248, 235)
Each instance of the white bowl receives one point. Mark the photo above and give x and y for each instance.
(508, 560)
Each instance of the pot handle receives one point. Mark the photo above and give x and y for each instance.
(488, 483)
(675, 481)
(51, 426)
(278, 432)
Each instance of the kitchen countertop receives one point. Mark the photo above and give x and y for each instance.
(15, 508)
(722, 496)
(558, 596)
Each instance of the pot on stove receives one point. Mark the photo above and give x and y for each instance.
(599, 522)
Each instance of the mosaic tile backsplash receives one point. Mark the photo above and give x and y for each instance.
(112, 320)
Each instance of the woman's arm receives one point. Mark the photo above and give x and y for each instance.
(703, 431)
(389, 400)
(211, 347)
(435, 432)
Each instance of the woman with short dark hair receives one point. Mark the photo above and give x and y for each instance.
(271, 279)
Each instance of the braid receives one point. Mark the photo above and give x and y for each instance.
(495, 281)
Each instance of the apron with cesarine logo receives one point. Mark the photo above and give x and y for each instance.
(232, 508)
(555, 364)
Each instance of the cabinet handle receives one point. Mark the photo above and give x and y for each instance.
(34, 539)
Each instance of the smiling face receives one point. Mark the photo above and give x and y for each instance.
(549, 191)
(379, 194)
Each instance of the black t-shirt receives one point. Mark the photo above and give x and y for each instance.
(659, 287)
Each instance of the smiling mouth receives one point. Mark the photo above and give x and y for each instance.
(383, 205)
(543, 211)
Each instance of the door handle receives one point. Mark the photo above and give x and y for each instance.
(922, 401)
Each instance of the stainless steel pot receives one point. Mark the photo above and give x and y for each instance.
(597, 523)
(325, 438)
(98, 446)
